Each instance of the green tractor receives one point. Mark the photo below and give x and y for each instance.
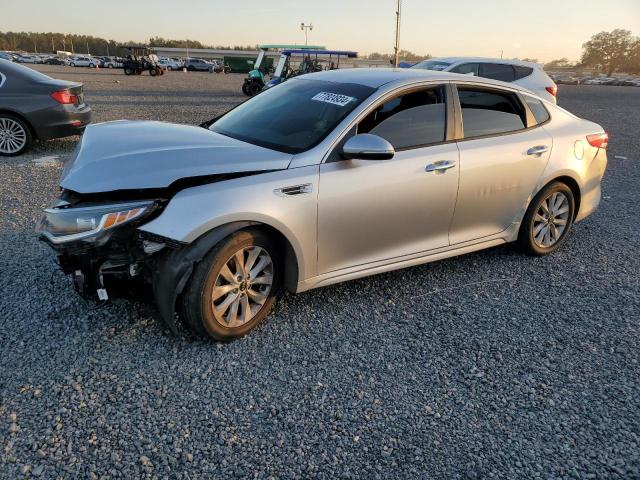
(263, 66)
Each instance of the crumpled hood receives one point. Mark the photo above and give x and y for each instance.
(125, 155)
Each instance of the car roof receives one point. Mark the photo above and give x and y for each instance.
(485, 60)
(377, 77)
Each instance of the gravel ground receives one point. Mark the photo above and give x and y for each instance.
(491, 365)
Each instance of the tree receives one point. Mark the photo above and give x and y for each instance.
(558, 63)
(609, 50)
(633, 59)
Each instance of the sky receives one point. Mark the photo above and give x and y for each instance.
(542, 29)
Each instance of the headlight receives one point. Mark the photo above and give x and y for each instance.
(61, 225)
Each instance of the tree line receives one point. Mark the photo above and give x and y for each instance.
(51, 42)
(615, 51)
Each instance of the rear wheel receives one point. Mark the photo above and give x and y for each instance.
(129, 71)
(234, 287)
(15, 136)
(548, 220)
(153, 72)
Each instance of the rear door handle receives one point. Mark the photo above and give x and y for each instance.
(538, 150)
(440, 166)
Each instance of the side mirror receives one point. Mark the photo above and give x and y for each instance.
(367, 147)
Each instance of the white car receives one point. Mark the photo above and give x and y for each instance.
(526, 74)
(169, 64)
(83, 62)
(29, 59)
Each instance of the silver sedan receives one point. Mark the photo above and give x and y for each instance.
(328, 177)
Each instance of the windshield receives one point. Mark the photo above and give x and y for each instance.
(292, 117)
(437, 65)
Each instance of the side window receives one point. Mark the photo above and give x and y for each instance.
(410, 120)
(522, 72)
(466, 69)
(537, 108)
(497, 71)
(489, 112)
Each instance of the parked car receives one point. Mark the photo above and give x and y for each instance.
(6, 56)
(28, 59)
(56, 61)
(34, 106)
(83, 62)
(197, 64)
(525, 74)
(169, 64)
(328, 177)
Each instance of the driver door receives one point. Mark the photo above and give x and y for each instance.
(381, 210)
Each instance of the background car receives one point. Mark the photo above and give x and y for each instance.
(28, 59)
(84, 62)
(6, 56)
(56, 61)
(34, 106)
(169, 64)
(526, 74)
(329, 177)
(198, 64)
(111, 62)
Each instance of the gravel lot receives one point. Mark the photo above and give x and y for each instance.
(491, 365)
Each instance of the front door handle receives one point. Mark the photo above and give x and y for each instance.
(440, 166)
(538, 150)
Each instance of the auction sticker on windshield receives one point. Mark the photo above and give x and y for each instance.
(333, 98)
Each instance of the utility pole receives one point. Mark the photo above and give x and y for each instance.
(108, 50)
(88, 52)
(72, 45)
(53, 47)
(306, 29)
(397, 46)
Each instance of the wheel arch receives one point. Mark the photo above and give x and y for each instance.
(572, 183)
(171, 272)
(32, 131)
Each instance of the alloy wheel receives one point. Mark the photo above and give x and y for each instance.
(551, 220)
(13, 136)
(242, 286)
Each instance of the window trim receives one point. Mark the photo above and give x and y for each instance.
(533, 117)
(449, 132)
(530, 119)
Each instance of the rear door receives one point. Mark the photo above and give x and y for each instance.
(502, 156)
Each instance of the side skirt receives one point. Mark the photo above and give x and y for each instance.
(402, 262)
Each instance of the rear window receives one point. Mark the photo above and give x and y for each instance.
(467, 69)
(490, 112)
(497, 71)
(522, 72)
(16, 70)
(437, 65)
(537, 108)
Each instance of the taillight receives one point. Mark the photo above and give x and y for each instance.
(65, 97)
(552, 90)
(598, 140)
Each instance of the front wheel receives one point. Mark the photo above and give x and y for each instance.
(548, 220)
(253, 89)
(234, 287)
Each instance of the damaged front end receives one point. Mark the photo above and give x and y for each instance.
(100, 246)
